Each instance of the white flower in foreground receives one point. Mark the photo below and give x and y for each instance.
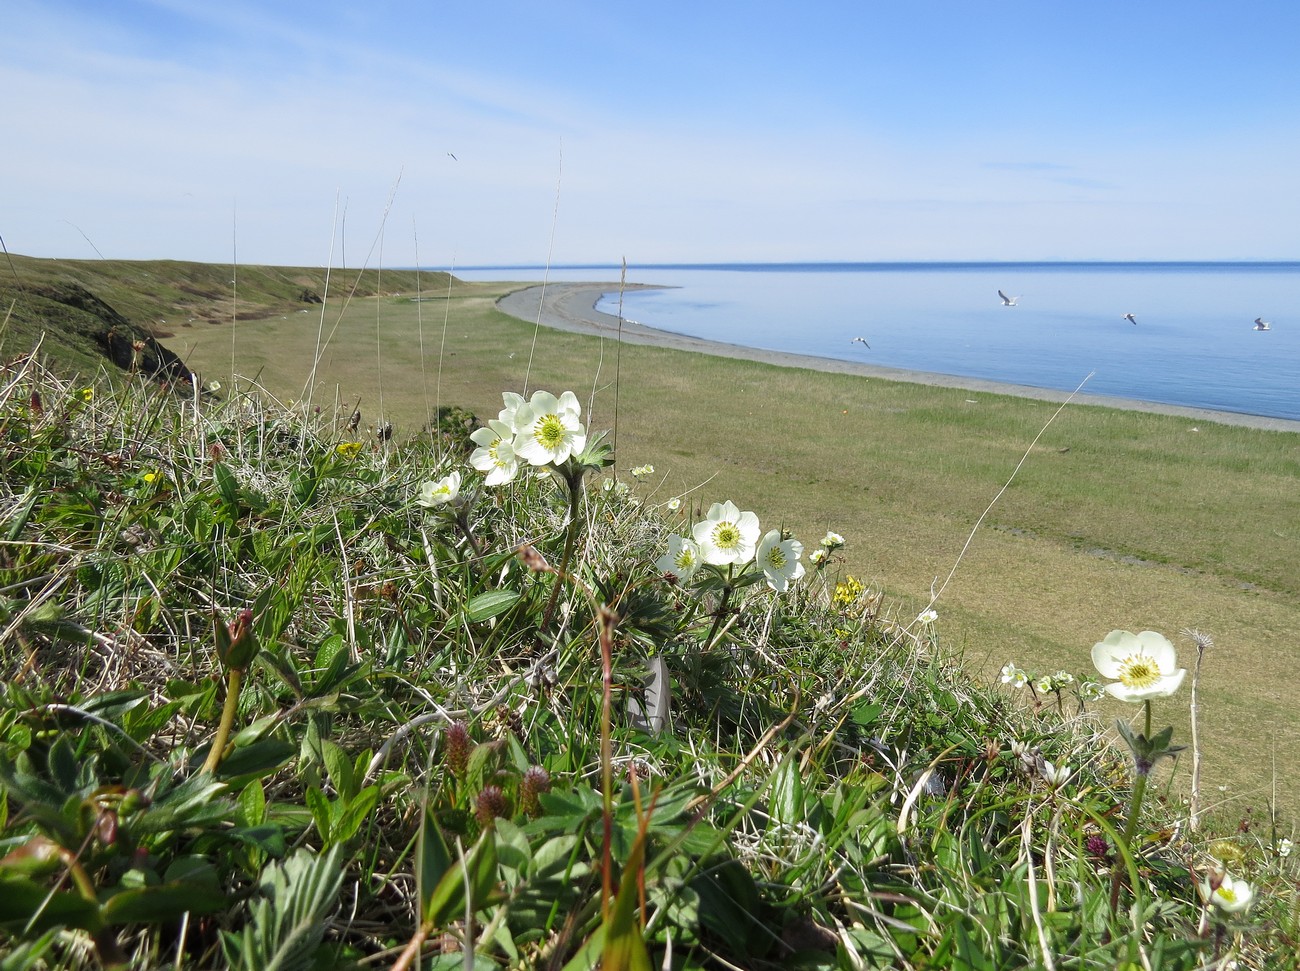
(512, 404)
(434, 494)
(547, 429)
(495, 455)
(1056, 776)
(832, 540)
(1144, 665)
(674, 504)
(1231, 896)
(681, 560)
(726, 535)
(1014, 676)
(779, 560)
(928, 616)
(817, 556)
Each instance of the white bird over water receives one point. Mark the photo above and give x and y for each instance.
(1261, 323)
(862, 341)
(1007, 301)
(1131, 319)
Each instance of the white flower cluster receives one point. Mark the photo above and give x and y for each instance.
(542, 430)
(728, 537)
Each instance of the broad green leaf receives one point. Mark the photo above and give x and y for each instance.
(787, 800)
(252, 804)
(625, 948)
(494, 603)
(432, 858)
(356, 811)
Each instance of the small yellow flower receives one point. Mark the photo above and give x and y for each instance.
(348, 450)
(847, 592)
(150, 477)
(87, 394)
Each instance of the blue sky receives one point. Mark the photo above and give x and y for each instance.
(306, 132)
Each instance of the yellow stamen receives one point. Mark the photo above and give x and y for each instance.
(1138, 671)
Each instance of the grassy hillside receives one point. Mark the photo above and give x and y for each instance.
(274, 694)
(85, 314)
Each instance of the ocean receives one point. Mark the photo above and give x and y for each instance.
(1194, 342)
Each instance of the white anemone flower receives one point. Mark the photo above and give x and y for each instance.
(440, 493)
(547, 429)
(681, 560)
(1013, 675)
(1231, 896)
(817, 556)
(512, 403)
(726, 535)
(1056, 775)
(1144, 665)
(674, 504)
(928, 616)
(779, 560)
(832, 540)
(495, 454)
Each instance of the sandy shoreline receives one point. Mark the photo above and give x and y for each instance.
(572, 307)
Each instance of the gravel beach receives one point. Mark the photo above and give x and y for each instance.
(572, 307)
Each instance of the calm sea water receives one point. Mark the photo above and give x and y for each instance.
(1194, 342)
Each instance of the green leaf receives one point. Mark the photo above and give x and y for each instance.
(432, 858)
(625, 948)
(24, 902)
(447, 902)
(320, 813)
(338, 766)
(268, 837)
(252, 804)
(166, 901)
(356, 812)
(788, 792)
(260, 758)
(226, 485)
(494, 603)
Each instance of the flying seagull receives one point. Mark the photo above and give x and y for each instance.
(1131, 319)
(1261, 323)
(1007, 301)
(453, 157)
(862, 341)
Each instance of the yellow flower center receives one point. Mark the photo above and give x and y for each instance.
(1228, 894)
(726, 536)
(776, 557)
(1138, 671)
(549, 432)
(685, 558)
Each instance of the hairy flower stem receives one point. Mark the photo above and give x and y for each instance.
(574, 482)
(461, 519)
(1135, 809)
(721, 612)
(607, 619)
(234, 679)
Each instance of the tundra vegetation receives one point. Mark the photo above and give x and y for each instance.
(281, 690)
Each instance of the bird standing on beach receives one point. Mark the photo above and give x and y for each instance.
(1007, 301)
(1131, 319)
(1261, 323)
(862, 341)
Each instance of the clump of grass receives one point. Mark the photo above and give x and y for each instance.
(433, 743)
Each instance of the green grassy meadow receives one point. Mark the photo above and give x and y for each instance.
(1117, 519)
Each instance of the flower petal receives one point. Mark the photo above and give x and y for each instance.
(1108, 654)
(1157, 647)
